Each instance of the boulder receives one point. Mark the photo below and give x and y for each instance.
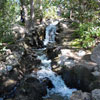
(6, 86)
(77, 77)
(95, 85)
(52, 52)
(96, 94)
(30, 89)
(95, 56)
(79, 95)
(47, 82)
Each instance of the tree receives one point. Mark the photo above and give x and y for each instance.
(32, 12)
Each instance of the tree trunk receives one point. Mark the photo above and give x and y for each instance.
(32, 12)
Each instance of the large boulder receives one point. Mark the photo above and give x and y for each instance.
(30, 89)
(79, 95)
(77, 77)
(95, 56)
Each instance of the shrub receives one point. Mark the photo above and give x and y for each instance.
(86, 35)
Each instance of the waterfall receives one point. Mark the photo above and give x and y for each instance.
(46, 72)
(50, 33)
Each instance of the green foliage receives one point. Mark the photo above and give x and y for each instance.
(8, 14)
(50, 12)
(50, 8)
(86, 35)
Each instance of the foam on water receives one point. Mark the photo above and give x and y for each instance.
(59, 85)
(50, 33)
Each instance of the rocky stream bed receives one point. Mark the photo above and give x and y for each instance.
(69, 74)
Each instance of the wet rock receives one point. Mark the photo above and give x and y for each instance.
(96, 94)
(95, 56)
(77, 77)
(56, 68)
(56, 97)
(47, 82)
(52, 52)
(79, 95)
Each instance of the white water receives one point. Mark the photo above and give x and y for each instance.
(50, 33)
(46, 71)
(59, 85)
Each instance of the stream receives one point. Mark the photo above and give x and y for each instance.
(60, 91)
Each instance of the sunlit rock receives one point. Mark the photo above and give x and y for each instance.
(81, 53)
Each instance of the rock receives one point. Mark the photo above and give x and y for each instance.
(77, 77)
(55, 97)
(87, 64)
(31, 89)
(13, 59)
(52, 52)
(96, 73)
(95, 56)
(47, 82)
(6, 86)
(3, 68)
(79, 95)
(81, 53)
(66, 52)
(9, 68)
(65, 58)
(56, 68)
(96, 94)
(95, 85)
(19, 31)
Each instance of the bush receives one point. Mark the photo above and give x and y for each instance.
(86, 35)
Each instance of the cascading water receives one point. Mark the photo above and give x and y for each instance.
(50, 33)
(46, 72)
